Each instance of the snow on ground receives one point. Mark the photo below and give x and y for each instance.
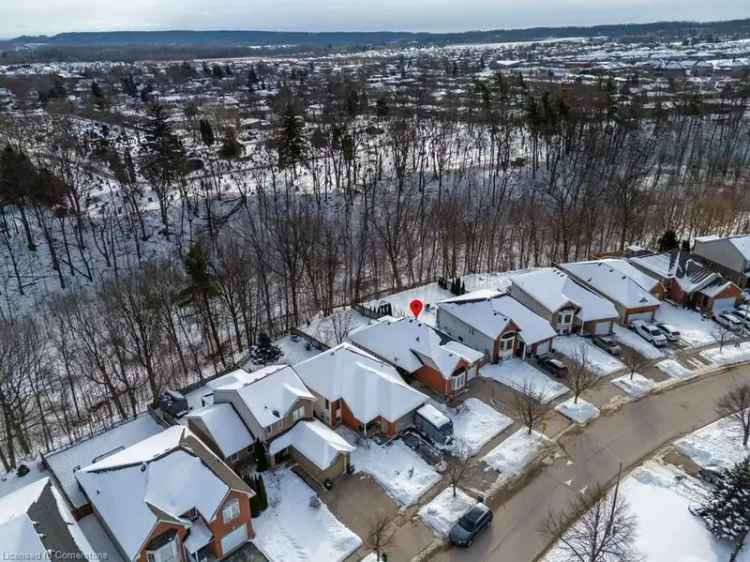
(10, 481)
(522, 376)
(694, 328)
(600, 362)
(325, 328)
(444, 510)
(634, 341)
(675, 369)
(475, 424)
(636, 386)
(292, 530)
(295, 349)
(718, 445)
(399, 470)
(513, 455)
(666, 530)
(731, 354)
(580, 412)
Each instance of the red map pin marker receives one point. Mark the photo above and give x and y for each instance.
(416, 307)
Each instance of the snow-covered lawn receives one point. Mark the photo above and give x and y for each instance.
(291, 530)
(718, 445)
(636, 386)
(731, 354)
(675, 369)
(694, 328)
(522, 376)
(295, 350)
(580, 412)
(634, 341)
(513, 455)
(600, 362)
(399, 470)
(10, 482)
(443, 511)
(475, 424)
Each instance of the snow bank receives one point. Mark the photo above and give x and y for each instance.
(674, 369)
(399, 470)
(580, 412)
(443, 511)
(521, 376)
(636, 386)
(731, 354)
(291, 530)
(513, 455)
(600, 362)
(475, 424)
(634, 341)
(718, 445)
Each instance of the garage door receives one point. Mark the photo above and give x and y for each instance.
(543, 348)
(647, 316)
(236, 538)
(602, 328)
(723, 304)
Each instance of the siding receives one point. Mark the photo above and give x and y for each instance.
(221, 529)
(464, 333)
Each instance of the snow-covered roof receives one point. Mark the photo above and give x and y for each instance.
(479, 294)
(410, 344)
(612, 283)
(270, 396)
(225, 427)
(645, 281)
(370, 387)
(555, 290)
(662, 265)
(155, 480)
(317, 442)
(65, 462)
(742, 243)
(716, 288)
(433, 415)
(240, 377)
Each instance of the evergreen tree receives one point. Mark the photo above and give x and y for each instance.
(203, 287)
(668, 241)
(262, 493)
(727, 511)
(231, 147)
(291, 142)
(207, 132)
(261, 461)
(381, 107)
(96, 90)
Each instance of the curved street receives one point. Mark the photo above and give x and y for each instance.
(628, 436)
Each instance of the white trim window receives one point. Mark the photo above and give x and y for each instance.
(231, 510)
(457, 382)
(165, 553)
(298, 414)
(566, 318)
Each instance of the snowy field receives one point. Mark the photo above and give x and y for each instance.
(522, 376)
(695, 330)
(635, 386)
(731, 354)
(444, 510)
(580, 412)
(295, 350)
(674, 369)
(634, 341)
(718, 445)
(293, 531)
(400, 471)
(600, 362)
(475, 424)
(513, 455)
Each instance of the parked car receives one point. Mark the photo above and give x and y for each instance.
(672, 334)
(608, 344)
(433, 424)
(553, 366)
(743, 315)
(470, 525)
(649, 332)
(729, 320)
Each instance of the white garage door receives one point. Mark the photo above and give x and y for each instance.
(647, 316)
(543, 348)
(723, 304)
(234, 539)
(602, 328)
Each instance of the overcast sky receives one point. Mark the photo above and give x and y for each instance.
(18, 17)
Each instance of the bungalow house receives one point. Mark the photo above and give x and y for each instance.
(728, 256)
(169, 499)
(222, 429)
(421, 351)
(632, 301)
(496, 324)
(36, 524)
(360, 391)
(686, 278)
(566, 305)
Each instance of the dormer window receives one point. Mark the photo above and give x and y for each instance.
(231, 510)
(165, 552)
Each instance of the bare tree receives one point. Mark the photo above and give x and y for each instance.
(634, 361)
(736, 404)
(580, 375)
(597, 527)
(458, 465)
(377, 536)
(341, 324)
(529, 406)
(722, 334)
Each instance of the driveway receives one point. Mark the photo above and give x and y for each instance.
(595, 454)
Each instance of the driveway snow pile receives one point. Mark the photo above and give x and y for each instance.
(399, 470)
(695, 330)
(599, 361)
(443, 511)
(580, 412)
(731, 354)
(675, 369)
(634, 341)
(292, 530)
(718, 445)
(521, 376)
(515, 453)
(636, 386)
(475, 424)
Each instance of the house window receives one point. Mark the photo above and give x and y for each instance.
(506, 344)
(298, 414)
(566, 317)
(457, 382)
(165, 553)
(231, 511)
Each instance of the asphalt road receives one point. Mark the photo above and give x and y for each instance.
(627, 436)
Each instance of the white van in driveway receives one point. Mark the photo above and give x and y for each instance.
(649, 332)
(729, 320)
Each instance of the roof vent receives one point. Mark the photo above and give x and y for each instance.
(417, 338)
(276, 413)
(144, 466)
